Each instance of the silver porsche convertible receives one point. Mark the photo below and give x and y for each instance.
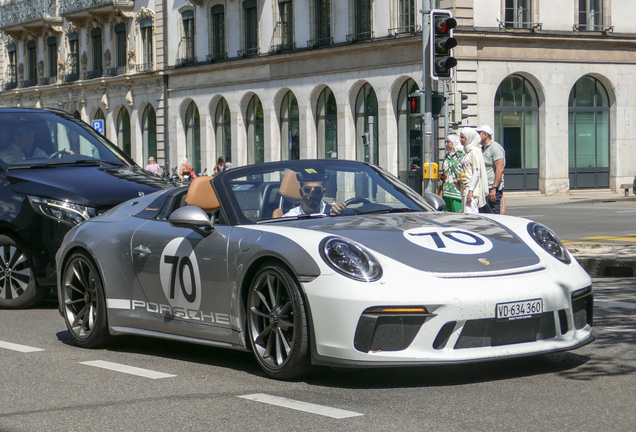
(322, 262)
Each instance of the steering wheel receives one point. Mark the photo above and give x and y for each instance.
(357, 200)
(58, 154)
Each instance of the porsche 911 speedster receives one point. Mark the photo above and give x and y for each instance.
(322, 262)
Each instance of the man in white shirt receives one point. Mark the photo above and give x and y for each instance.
(495, 161)
(23, 146)
(312, 189)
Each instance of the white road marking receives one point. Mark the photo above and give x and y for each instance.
(301, 406)
(616, 329)
(626, 211)
(18, 347)
(613, 304)
(127, 369)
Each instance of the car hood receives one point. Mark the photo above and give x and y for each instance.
(92, 186)
(434, 242)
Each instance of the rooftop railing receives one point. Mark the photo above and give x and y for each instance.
(27, 11)
(72, 5)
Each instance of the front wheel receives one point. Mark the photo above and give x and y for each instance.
(84, 303)
(18, 287)
(277, 323)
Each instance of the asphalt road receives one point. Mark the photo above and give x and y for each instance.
(585, 222)
(54, 389)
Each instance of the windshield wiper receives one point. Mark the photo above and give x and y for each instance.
(289, 218)
(16, 167)
(76, 162)
(391, 210)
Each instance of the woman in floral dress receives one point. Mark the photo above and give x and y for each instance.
(451, 172)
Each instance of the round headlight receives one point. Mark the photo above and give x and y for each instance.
(350, 259)
(549, 241)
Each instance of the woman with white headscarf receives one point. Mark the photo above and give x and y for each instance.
(451, 172)
(475, 182)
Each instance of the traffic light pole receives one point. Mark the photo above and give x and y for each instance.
(427, 141)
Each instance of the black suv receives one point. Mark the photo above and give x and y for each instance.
(55, 172)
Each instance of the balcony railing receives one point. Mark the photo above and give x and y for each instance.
(29, 83)
(355, 37)
(407, 30)
(520, 25)
(10, 85)
(249, 52)
(94, 74)
(67, 6)
(216, 57)
(186, 61)
(71, 77)
(144, 67)
(27, 11)
(593, 28)
(282, 47)
(315, 43)
(120, 70)
(49, 80)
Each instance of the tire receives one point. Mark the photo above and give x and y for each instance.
(18, 287)
(277, 323)
(83, 302)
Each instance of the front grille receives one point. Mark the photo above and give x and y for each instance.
(387, 332)
(493, 332)
(583, 307)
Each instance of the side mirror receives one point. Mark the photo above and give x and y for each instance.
(435, 201)
(192, 217)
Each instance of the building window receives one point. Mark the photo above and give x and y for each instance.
(589, 135)
(361, 19)
(591, 15)
(321, 23)
(250, 16)
(149, 133)
(32, 64)
(186, 47)
(73, 57)
(123, 130)
(289, 128)
(223, 131)
(409, 140)
(327, 125)
(404, 18)
(121, 48)
(518, 14)
(286, 24)
(51, 45)
(217, 32)
(12, 79)
(193, 137)
(96, 44)
(99, 115)
(367, 125)
(255, 132)
(517, 130)
(145, 30)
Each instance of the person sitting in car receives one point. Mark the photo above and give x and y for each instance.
(312, 190)
(23, 146)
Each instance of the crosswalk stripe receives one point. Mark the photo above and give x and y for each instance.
(18, 347)
(301, 406)
(146, 373)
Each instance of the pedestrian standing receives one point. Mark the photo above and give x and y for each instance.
(474, 184)
(495, 161)
(153, 166)
(451, 172)
(220, 166)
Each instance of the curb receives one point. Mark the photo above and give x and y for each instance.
(605, 261)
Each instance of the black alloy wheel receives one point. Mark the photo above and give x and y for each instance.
(84, 304)
(18, 288)
(277, 323)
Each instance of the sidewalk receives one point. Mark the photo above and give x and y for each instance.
(598, 260)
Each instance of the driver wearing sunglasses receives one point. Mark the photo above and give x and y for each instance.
(312, 189)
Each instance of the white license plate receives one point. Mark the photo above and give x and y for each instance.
(519, 309)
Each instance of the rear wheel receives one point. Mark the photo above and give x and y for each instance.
(84, 304)
(18, 288)
(277, 323)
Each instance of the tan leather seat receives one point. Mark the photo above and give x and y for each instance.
(290, 190)
(201, 194)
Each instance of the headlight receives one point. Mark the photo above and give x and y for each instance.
(61, 211)
(350, 259)
(549, 241)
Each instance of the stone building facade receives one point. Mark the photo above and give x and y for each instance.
(265, 80)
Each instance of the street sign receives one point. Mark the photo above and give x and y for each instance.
(98, 125)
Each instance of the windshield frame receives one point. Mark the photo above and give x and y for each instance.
(222, 184)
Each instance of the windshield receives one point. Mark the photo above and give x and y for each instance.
(44, 138)
(274, 192)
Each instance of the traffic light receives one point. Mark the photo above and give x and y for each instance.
(441, 43)
(459, 107)
(417, 104)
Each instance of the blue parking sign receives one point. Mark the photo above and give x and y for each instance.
(98, 125)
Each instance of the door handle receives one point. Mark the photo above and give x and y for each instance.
(142, 250)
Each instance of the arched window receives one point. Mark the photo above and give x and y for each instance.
(367, 125)
(517, 130)
(289, 128)
(193, 137)
(149, 133)
(255, 132)
(409, 140)
(123, 130)
(327, 125)
(223, 133)
(99, 115)
(589, 135)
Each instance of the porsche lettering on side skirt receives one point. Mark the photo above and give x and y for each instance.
(169, 311)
